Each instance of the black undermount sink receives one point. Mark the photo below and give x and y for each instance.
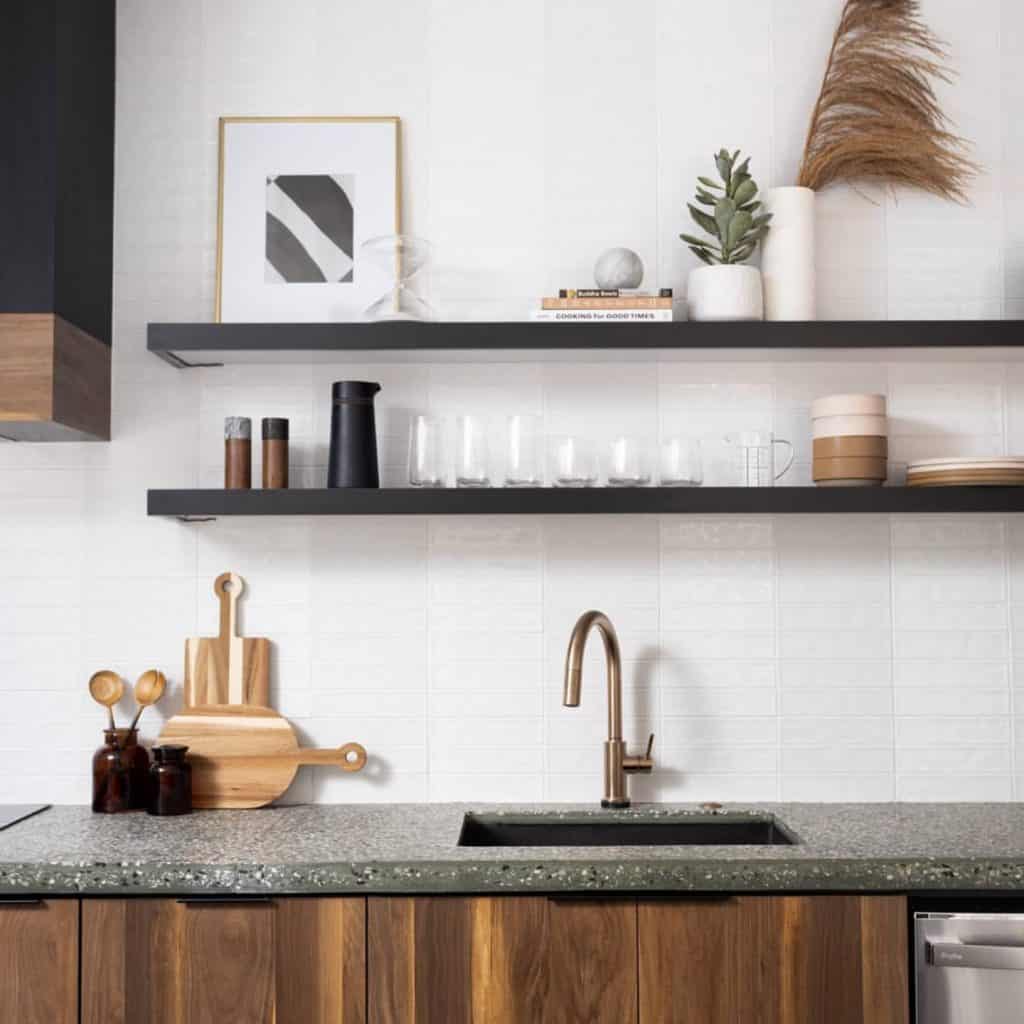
(707, 830)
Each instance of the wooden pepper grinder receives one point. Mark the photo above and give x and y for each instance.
(275, 454)
(237, 453)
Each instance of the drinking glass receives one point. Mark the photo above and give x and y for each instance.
(426, 452)
(573, 463)
(755, 456)
(471, 455)
(523, 457)
(629, 464)
(681, 463)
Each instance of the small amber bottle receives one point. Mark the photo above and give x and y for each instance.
(275, 453)
(170, 790)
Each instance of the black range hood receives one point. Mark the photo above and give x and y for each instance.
(56, 218)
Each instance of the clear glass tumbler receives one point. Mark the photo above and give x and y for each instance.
(681, 462)
(629, 464)
(426, 452)
(524, 454)
(573, 463)
(471, 455)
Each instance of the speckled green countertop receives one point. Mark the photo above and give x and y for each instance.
(411, 848)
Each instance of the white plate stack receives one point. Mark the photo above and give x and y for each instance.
(851, 440)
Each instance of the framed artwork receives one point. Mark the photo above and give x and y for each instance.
(298, 197)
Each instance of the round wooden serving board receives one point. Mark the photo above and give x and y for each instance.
(246, 756)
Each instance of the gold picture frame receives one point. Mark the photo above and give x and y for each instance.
(223, 124)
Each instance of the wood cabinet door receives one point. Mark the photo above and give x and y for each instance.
(39, 961)
(283, 961)
(774, 960)
(500, 960)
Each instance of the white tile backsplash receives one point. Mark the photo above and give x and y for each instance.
(797, 658)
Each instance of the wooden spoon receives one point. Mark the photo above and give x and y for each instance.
(107, 688)
(149, 688)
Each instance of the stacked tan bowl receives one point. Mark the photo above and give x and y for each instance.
(851, 440)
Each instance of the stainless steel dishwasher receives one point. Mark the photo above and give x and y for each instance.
(969, 968)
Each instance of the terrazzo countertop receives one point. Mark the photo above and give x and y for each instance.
(411, 848)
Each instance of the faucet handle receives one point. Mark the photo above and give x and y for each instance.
(632, 763)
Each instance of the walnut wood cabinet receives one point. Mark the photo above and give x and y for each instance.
(456, 960)
(774, 960)
(163, 961)
(743, 960)
(39, 961)
(500, 960)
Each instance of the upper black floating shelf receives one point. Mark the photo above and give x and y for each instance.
(191, 345)
(210, 504)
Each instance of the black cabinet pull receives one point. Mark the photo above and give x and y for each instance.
(685, 897)
(641, 897)
(221, 901)
(21, 901)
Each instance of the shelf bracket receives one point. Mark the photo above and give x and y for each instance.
(178, 363)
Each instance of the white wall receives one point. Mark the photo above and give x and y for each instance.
(795, 658)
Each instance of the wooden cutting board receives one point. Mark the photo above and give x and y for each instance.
(246, 756)
(227, 669)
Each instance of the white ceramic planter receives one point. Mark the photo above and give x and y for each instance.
(725, 293)
(787, 255)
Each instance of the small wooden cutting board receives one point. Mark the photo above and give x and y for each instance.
(227, 669)
(246, 756)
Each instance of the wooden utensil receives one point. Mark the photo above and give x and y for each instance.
(107, 688)
(149, 688)
(246, 756)
(227, 669)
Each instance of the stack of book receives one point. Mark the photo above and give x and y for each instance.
(606, 305)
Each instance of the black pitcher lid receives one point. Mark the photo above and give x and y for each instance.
(354, 389)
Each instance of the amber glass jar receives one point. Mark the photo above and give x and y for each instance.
(113, 774)
(120, 773)
(170, 789)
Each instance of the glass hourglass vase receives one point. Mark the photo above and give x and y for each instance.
(404, 259)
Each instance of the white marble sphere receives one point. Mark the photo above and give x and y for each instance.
(618, 268)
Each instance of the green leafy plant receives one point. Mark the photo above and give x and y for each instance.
(731, 218)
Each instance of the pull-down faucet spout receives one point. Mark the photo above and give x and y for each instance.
(617, 762)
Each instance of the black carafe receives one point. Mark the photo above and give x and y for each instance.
(353, 459)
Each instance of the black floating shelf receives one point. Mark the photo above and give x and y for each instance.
(190, 345)
(210, 504)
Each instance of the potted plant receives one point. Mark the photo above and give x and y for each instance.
(726, 288)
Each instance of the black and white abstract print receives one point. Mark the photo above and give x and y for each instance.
(310, 228)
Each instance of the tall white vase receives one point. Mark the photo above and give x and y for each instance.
(787, 254)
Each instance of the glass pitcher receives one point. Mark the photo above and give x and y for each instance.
(755, 457)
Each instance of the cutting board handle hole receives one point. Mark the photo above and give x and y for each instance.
(228, 585)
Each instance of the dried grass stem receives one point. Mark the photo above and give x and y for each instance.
(877, 117)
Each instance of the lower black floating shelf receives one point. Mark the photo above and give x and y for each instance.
(211, 504)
